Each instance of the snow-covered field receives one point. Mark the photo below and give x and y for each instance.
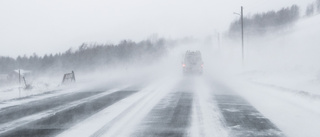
(281, 78)
(288, 60)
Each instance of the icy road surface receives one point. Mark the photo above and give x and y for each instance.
(172, 107)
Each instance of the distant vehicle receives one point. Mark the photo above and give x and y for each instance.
(192, 63)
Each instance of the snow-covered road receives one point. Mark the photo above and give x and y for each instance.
(184, 106)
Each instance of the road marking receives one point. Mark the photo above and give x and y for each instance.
(207, 121)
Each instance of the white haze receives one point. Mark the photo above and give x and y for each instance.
(287, 60)
(44, 27)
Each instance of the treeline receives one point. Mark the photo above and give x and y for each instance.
(313, 8)
(269, 21)
(89, 56)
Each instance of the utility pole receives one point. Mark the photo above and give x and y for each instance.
(19, 82)
(242, 35)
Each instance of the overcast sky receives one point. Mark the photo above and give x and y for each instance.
(51, 26)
